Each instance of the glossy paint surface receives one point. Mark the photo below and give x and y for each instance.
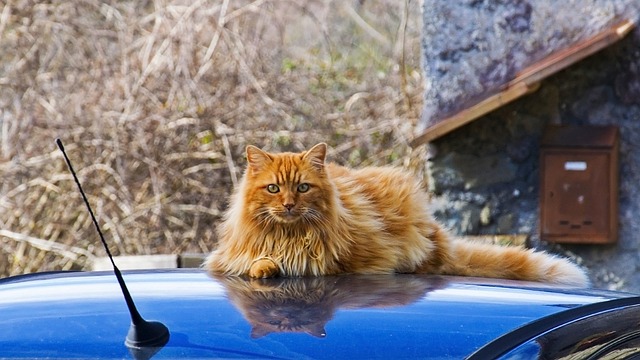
(83, 315)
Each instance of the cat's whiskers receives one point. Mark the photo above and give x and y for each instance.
(265, 217)
(313, 217)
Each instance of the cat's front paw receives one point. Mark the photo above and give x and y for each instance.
(263, 268)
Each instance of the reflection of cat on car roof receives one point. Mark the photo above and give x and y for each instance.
(295, 215)
(306, 304)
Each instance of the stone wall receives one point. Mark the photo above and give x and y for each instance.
(485, 175)
(472, 47)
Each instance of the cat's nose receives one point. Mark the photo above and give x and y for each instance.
(288, 206)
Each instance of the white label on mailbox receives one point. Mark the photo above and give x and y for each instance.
(575, 165)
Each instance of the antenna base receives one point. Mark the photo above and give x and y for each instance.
(147, 334)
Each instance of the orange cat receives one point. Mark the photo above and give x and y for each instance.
(295, 215)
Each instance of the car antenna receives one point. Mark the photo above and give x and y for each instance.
(142, 333)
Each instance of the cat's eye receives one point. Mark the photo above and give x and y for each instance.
(273, 188)
(303, 187)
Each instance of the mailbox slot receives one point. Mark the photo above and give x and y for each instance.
(579, 184)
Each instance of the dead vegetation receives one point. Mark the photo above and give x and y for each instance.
(155, 102)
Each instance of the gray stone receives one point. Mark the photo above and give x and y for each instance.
(471, 48)
(485, 215)
(472, 171)
(596, 106)
(505, 224)
(470, 220)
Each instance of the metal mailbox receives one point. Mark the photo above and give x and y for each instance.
(579, 184)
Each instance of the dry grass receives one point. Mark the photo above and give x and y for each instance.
(155, 102)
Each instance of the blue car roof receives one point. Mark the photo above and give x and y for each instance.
(83, 314)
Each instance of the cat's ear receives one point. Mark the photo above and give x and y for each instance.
(258, 331)
(316, 330)
(257, 158)
(316, 155)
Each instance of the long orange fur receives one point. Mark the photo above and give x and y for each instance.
(293, 214)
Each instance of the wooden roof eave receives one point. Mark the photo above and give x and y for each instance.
(527, 81)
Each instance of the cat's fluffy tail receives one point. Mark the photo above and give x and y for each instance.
(488, 260)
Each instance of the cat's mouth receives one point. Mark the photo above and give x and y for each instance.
(287, 216)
